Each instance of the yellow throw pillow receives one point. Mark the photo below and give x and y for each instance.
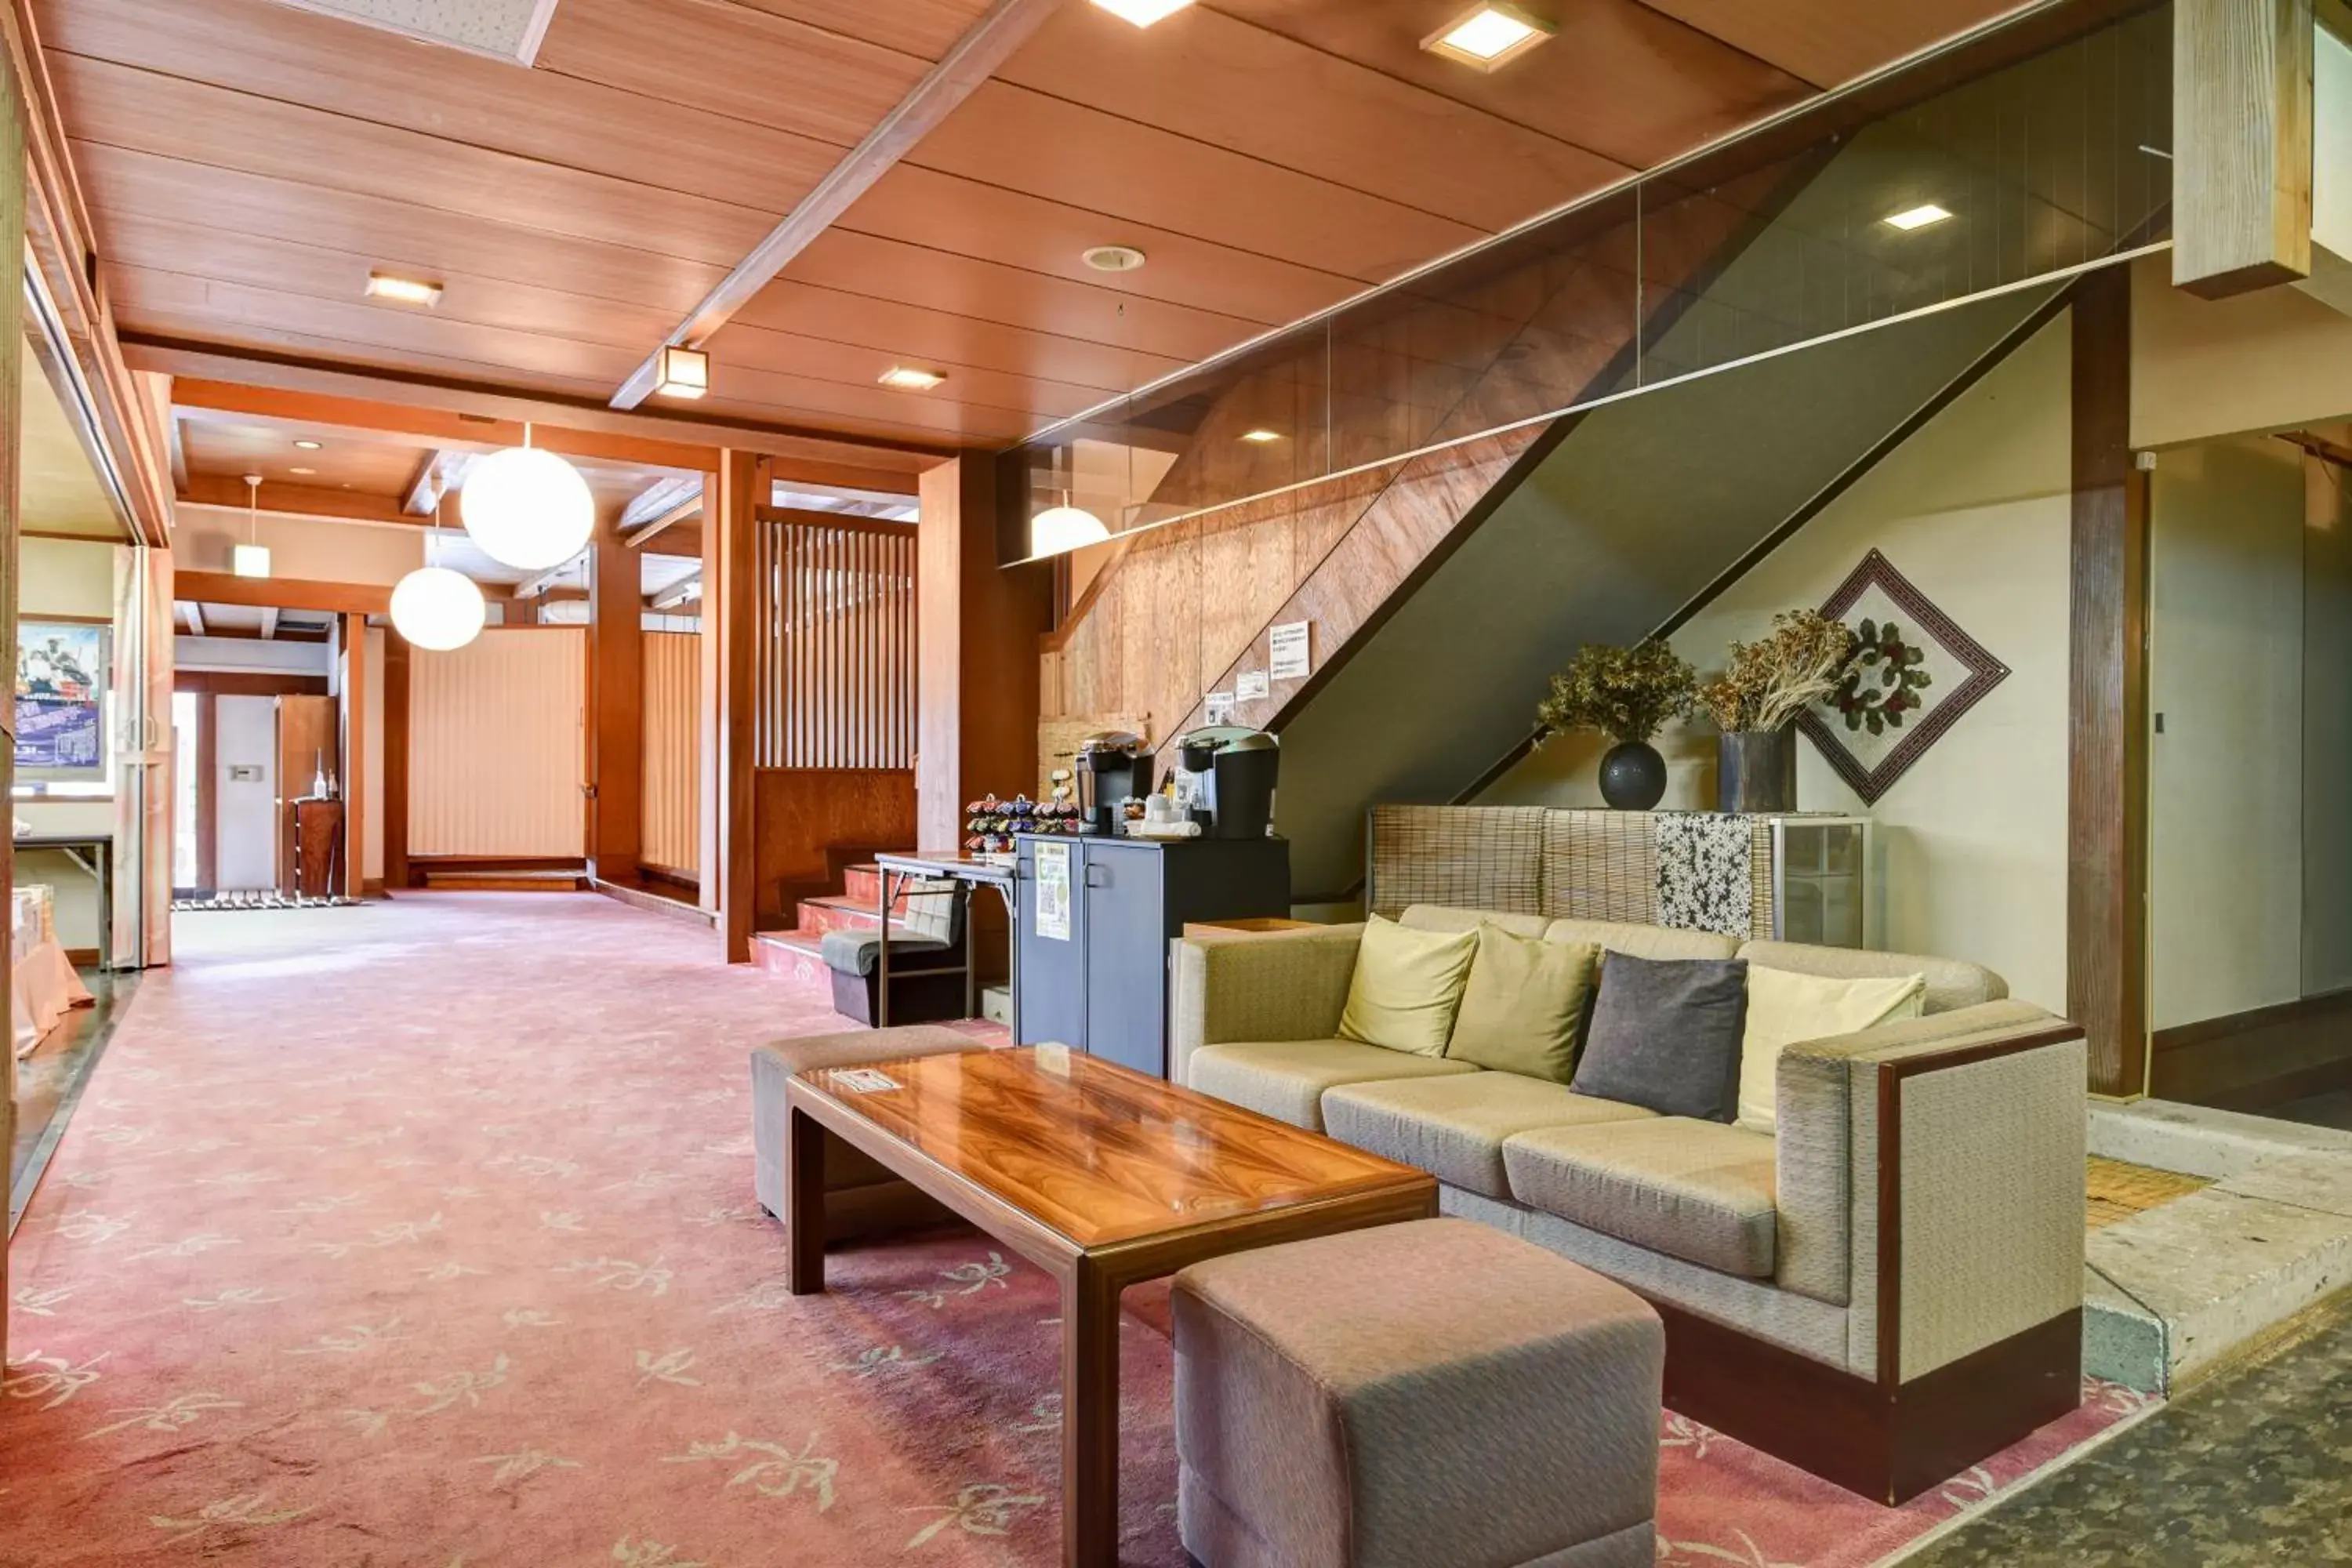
(1406, 986)
(1523, 1004)
(1785, 1008)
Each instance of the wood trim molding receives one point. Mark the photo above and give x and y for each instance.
(395, 761)
(973, 58)
(354, 775)
(248, 683)
(2256, 1059)
(207, 786)
(731, 617)
(2106, 829)
(282, 593)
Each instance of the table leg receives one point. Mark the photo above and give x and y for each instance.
(805, 1139)
(963, 895)
(882, 957)
(1089, 1419)
(1010, 894)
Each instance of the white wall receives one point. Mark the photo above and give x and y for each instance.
(2225, 776)
(312, 550)
(2201, 368)
(246, 816)
(274, 657)
(1975, 508)
(65, 577)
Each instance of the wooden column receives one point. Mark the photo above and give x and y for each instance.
(396, 760)
(616, 704)
(354, 779)
(731, 634)
(2107, 879)
(976, 652)
(2241, 144)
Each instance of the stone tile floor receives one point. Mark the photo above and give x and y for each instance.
(2251, 1466)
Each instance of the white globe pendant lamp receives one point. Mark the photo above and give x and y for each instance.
(527, 508)
(1059, 530)
(438, 610)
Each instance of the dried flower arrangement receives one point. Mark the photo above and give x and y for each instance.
(1768, 683)
(1625, 693)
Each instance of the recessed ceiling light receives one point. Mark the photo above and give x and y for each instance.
(404, 290)
(308, 445)
(684, 373)
(1113, 257)
(301, 470)
(1261, 438)
(1489, 37)
(1916, 217)
(1143, 12)
(907, 378)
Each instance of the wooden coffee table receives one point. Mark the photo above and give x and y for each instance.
(1099, 1176)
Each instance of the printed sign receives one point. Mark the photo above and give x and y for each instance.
(60, 695)
(1290, 651)
(1251, 685)
(1053, 883)
(864, 1080)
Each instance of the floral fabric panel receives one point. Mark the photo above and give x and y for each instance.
(1914, 674)
(1705, 865)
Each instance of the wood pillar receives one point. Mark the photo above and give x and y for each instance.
(354, 777)
(2241, 138)
(616, 704)
(2107, 879)
(396, 760)
(976, 655)
(730, 633)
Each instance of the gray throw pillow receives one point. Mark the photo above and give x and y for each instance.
(1665, 1036)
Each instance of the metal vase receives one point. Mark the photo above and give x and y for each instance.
(1632, 777)
(1758, 770)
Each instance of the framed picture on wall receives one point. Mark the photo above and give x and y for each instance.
(63, 669)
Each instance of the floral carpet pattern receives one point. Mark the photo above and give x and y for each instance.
(423, 1234)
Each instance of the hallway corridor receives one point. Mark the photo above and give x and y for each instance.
(422, 1233)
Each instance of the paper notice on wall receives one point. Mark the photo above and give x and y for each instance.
(1290, 651)
(1053, 884)
(1219, 708)
(1251, 685)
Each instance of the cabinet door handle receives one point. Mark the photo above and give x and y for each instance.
(1095, 875)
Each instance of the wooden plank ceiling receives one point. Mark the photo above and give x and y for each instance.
(248, 163)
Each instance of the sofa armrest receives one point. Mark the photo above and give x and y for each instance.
(1282, 986)
(1931, 1177)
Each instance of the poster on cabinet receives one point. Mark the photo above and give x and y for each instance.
(1053, 884)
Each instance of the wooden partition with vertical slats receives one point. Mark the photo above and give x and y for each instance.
(497, 745)
(836, 677)
(671, 840)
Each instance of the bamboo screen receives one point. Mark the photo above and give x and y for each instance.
(836, 686)
(496, 751)
(671, 816)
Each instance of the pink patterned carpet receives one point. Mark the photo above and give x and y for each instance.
(423, 1234)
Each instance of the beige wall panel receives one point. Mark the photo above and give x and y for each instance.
(2201, 368)
(673, 753)
(494, 745)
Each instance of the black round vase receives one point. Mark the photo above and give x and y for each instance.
(1632, 777)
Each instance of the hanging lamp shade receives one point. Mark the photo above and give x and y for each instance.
(1059, 530)
(436, 608)
(528, 508)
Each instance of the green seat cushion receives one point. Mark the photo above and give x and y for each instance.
(1454, 1127)
(1285, 1079)
(1522, 1004)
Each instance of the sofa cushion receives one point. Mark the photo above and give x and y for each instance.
(1447, 917)
(1952, 982)
(1523, 1007)
(1285, 1079)
(1454, 1127)
(1643, 941)
(1407, 986)
(1665, 1034)
(1785, 1008)
(860, 952)
(1698, 1191)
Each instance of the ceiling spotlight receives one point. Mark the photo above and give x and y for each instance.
(1489, 37)
(1113, 257)
(299, 472)
(402, 290)
(684, 373)
(308, 446)
(907, 378)
(1261, 438)
(1919, 216)
(1143, 13)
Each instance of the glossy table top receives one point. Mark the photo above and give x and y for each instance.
(1096, 1151)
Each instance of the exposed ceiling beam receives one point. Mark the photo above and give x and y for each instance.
(2319, 447)
(531, 587)
(818, 457)
(660, 500)
(988, 44)
(681, 541)
(229, 494)
(194, 614)
(677, 593)
(179, 455)
(439, 473)
(639, 525)
(282, 593)
(269, 622)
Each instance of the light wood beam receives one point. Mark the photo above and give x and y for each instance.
(730, 552)
(532, 587)
(975, 58)
(615, 704)
(2241, 134)
(355, 816)
(229, 493)
(677, 594)
(433, 479)
(282, 593)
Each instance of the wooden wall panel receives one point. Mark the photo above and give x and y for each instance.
(673, 753)
(810, 822)
(495, 746)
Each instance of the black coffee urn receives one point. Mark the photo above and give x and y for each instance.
(1235, 770)
(1112, 767)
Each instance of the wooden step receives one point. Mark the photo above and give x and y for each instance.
(836, 911)
(793, 954)
(493, 881)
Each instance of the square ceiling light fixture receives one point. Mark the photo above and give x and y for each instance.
(402, 290)
(509, 30)
(1143, 12)
(1489, 37)
(1920, 216)
(249, 559)
(909, 378)
(685, 373)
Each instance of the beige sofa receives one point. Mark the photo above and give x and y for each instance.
(1885, 1289)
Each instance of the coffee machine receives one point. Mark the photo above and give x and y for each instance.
(1113, 768)
(1227, 775)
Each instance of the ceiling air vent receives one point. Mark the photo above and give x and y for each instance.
(503, 29)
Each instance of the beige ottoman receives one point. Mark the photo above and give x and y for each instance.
(862, 1199)
(1435, 1395)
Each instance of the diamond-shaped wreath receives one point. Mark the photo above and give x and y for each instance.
(1912, 678)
